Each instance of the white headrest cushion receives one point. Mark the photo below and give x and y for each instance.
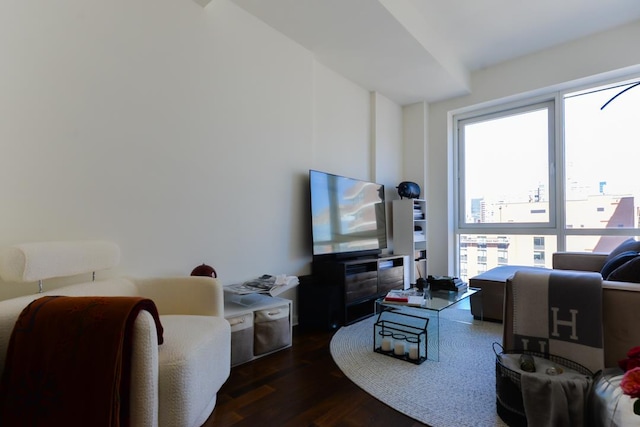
(30, 262)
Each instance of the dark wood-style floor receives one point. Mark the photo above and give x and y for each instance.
(299, 386)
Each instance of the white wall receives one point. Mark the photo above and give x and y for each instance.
(597, 57)
(387, 143)
(387, 138)
(182, 133)
(342, 122)
(415, 130)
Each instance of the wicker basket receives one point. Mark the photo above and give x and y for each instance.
(509, 402)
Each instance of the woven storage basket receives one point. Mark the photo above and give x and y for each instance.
(509, 402)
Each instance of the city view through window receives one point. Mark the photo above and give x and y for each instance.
(509, 166)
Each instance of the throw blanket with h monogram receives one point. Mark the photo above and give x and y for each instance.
(559, 312)
(68, 362)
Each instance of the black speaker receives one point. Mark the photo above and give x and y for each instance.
(320, 304)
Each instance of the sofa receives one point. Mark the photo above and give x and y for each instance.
(608, 405)
(172, 384)
(620, 305)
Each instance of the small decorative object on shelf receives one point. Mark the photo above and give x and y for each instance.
(204, 270)
(408, 189)
(421, 282)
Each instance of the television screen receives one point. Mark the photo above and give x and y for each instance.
(347, 215)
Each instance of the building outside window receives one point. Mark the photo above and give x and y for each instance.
(482, 256)
(551, 174)
(503, 257)
(538, 243)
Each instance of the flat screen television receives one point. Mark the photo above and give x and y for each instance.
(348, 217)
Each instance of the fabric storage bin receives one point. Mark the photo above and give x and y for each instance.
(272, 329)
(241, 338)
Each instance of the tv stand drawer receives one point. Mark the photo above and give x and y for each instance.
(361, 285)
(390, 278)
(359, 282)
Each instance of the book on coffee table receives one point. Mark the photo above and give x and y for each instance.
(404, 297)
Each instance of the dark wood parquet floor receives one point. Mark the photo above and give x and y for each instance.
(299, 386)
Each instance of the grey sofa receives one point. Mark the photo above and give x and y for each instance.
(608, 405)
(620, 306)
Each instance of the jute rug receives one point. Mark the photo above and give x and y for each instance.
(459, 390)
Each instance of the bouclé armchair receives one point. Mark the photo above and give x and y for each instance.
(172, 384)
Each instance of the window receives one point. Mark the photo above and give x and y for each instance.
(552, 174)
(503, 249)
(503, 257)
(482, 256)
(538, 258)
(602, 147)
(463, 269)
(505, 170)
(538, 243)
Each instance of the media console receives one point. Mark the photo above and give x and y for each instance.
(341, 292)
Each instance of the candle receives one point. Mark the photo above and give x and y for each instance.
(414, 350)
(399, 341)
(386, 344)
(387, 340)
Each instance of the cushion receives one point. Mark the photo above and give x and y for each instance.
(617, 261)
(193, 366)
(30, 262)
(628, 245)
(627, 272)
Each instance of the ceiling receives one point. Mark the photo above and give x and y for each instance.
(425, 50)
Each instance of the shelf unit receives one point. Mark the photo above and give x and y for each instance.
(410, 234)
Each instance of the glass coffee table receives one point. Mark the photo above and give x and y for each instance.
(433, 303)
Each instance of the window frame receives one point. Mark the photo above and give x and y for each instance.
(492, 113)
(556, 228)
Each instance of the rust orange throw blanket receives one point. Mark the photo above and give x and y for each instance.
(68, 362)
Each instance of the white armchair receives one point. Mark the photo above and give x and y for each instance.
(172, 384)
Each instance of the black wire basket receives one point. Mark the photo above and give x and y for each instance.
(510, 406)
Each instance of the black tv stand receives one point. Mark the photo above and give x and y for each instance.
(351, 286)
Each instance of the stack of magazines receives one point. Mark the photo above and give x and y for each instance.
(407, 297)
(265, 284)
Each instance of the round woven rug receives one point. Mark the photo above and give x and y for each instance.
(458, 390)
